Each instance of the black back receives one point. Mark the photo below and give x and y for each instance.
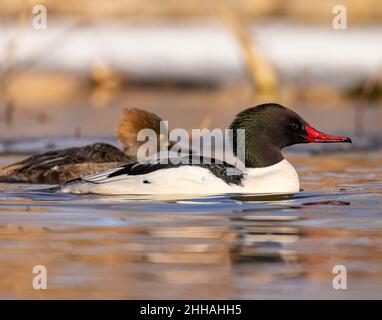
(223, 170)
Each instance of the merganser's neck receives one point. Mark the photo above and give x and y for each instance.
(262, 154)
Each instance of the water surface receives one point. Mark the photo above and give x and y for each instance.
(231, 246)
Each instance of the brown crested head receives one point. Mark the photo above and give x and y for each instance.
(131, 122)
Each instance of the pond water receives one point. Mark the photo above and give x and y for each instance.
(216, 247)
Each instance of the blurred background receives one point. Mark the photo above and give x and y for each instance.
(195, 63)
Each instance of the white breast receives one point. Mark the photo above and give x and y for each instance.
(278, 178)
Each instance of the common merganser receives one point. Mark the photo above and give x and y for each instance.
(268, 129)
(60, 166)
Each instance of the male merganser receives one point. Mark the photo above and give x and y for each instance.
(59, 166)
(268, 129)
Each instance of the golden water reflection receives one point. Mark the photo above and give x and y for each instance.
(220, 248)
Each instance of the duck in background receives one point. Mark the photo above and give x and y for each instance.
(59, 166)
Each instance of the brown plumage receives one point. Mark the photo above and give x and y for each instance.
(132, 121)
(59, 166)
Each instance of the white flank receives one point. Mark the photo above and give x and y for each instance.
(278, 178)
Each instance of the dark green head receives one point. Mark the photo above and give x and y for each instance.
(269, 128)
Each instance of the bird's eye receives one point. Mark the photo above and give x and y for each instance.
(294, 125)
